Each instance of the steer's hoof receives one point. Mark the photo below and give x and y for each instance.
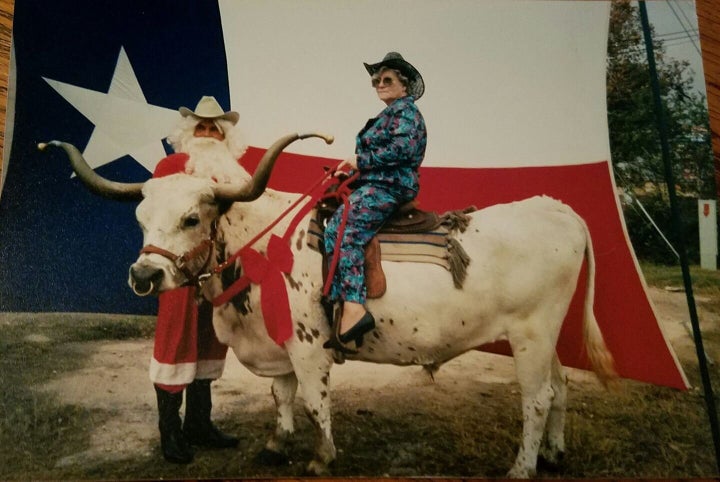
(521, 473)
(271, 458)
(550, 464)
(317, 469)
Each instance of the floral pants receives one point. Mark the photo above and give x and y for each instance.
(369, 207)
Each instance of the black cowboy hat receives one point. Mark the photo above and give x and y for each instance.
(394, 60)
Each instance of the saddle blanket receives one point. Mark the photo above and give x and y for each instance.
(426, 247)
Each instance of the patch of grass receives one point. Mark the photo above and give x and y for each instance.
(651, 432)
(75, 327)
(35, 428)
(705, 282)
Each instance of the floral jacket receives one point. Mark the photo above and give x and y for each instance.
(391, 146)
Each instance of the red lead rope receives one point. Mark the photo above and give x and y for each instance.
(342, 193)
(267, 270)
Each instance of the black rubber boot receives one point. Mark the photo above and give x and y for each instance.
(198, 428)
(174, 445)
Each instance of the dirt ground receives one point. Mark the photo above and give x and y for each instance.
(393, 421)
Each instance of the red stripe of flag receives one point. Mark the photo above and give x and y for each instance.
(622, 308)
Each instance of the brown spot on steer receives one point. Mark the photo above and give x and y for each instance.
(293, 284)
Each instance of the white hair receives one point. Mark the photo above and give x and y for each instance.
(210, 157)
(185, 130)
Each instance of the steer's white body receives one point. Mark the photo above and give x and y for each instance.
(525, 261)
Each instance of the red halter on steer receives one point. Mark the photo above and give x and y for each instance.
(182, 261)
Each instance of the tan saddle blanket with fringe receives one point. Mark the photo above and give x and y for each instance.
(411, 235)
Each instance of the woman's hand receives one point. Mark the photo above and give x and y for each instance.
(350, 162)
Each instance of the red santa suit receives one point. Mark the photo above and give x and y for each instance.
(186, 347)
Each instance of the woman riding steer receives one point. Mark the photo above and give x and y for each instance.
(388, 153)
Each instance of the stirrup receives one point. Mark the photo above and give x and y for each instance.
(335, 343)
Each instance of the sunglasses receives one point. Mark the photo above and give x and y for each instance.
(386, 81)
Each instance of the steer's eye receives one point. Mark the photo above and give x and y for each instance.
(191, 222)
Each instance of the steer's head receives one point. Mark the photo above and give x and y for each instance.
(177, 214)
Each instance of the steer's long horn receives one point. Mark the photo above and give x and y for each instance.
(94, 182)
(256, 186)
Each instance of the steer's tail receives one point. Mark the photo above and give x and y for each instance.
(598, 353)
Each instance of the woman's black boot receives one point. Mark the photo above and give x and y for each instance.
(175, 447)
(198, 428)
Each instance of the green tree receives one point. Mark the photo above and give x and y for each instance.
(634, 141)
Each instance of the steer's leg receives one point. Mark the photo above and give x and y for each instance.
(316, 394)
(283, 389)
(553, 447)
(533, 358)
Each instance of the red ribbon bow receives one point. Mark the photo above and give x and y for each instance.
(268, 273)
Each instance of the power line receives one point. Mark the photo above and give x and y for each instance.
(673, 35)
(682, 24)
(677, 42)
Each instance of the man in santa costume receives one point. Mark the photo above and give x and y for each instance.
(187, 355)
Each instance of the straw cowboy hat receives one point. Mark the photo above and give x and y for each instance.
(209, 108)
(394, 60)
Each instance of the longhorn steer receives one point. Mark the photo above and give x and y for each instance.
(526, 258)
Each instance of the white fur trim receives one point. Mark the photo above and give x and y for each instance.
(172, 374)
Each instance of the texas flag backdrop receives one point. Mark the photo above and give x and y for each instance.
(514, 105)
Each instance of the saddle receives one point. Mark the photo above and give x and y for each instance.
(408, 219)
(410, 234)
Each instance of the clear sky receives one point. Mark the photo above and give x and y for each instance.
(675, 22)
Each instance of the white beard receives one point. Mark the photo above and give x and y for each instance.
(210, 158)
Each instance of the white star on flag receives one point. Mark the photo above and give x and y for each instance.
(125, 124)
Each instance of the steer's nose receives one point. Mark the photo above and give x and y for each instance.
(145, 280)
